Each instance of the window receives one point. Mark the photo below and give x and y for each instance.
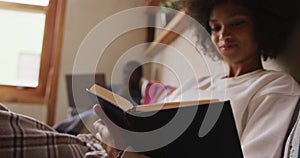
(21, 41)
(31, 36)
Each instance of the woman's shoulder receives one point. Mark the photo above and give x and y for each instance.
(278, 82)
(279, 77)
(276, 73)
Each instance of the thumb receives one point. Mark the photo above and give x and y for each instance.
(97, 108)
(99, 111)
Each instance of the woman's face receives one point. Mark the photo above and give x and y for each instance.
(232, 32)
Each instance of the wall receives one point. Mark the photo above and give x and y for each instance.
(33, 110)
(81, 17)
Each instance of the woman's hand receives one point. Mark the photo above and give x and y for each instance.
(104, 135)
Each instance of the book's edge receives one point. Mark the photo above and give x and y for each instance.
(110, 96)
(125, 105)
(172, 105)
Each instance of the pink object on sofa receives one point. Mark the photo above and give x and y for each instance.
(152, 91)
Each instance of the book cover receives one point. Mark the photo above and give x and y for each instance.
(221, 140)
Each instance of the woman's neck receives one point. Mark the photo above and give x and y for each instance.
(237, 69)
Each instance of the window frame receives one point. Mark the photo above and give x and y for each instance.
(45, 93)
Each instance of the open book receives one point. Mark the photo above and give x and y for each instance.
(221, 140)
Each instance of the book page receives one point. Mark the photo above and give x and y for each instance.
(110, 97)
(171, 105)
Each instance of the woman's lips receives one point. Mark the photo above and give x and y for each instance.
(227, 47)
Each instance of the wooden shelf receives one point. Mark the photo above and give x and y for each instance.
(168, 35)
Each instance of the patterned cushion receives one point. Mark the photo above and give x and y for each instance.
(23, 136)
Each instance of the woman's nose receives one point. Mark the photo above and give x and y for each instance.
(224, 33)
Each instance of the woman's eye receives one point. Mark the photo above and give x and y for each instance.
(215, 28)
(237, 23)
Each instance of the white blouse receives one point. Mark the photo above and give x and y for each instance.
(262, 103)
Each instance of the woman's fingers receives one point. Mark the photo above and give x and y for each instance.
(99, 124)
(98, 110)
(100, 113)
(103, 133)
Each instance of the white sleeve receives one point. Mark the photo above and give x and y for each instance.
(266, 125)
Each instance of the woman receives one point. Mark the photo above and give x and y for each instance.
(262, 101)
